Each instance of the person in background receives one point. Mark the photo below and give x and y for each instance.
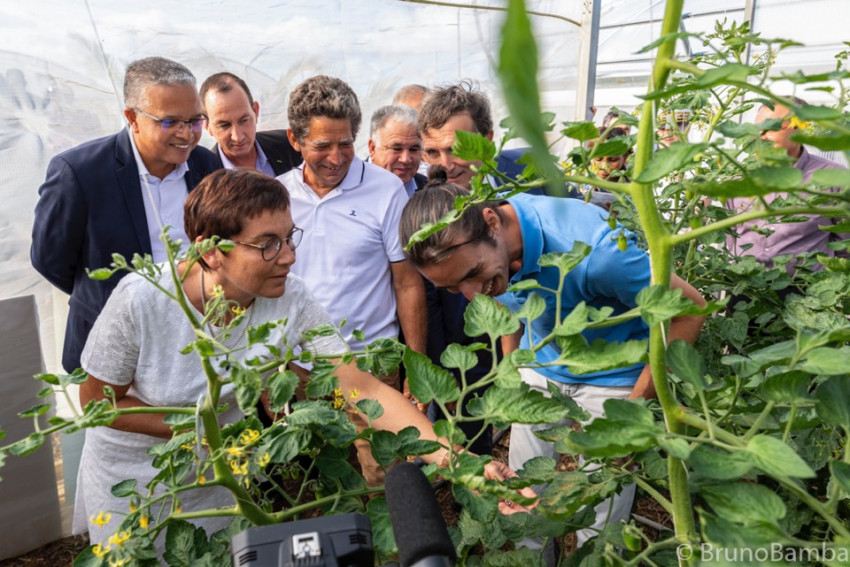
(610, 119)
(673, 127)
(608, 168)
(231, 117)
(764, 239)
(115, 194)
(411, 95)
(395, 145)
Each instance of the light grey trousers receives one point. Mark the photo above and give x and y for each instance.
(525, 445)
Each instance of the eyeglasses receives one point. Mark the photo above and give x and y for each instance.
(174, 124)
(272, 247)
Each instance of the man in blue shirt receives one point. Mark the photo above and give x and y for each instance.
(497, 244)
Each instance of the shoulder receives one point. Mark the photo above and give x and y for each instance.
(381, 181)
(202, 159)
(273, 136)
(420, 180)
(94, 151)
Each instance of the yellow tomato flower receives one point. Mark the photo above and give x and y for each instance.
(101, 520)
(355, 393)
(235, 451)
(249, 436)
(100, 551)
(119, 562)
(119, 538)
(263, 459)
(799, 124)
(202, 480)
(239, 468)
(143, 522)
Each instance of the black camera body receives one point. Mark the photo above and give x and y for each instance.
(330, 541)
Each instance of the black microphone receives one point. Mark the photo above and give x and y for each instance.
(420, 530)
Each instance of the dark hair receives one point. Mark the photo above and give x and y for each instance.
(143, 73)
(615, 132)
(226, 198)
(223, 83)
(322, 96)
(442, 103)
(429, 205)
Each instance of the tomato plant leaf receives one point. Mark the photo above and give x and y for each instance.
(714, 464)
(685, 361)
(744, 502)
(669, 159)
(520, 405)
(458, 356)
(485, 316)
(429, 382)
(776, 458)
(832, 401)
(581, 131)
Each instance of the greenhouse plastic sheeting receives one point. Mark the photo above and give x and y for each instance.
(62, 65)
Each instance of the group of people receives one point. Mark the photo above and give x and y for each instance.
(303, 186)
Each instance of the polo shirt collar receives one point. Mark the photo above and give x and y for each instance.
(803, 161)
(531, 230)
(352, 179)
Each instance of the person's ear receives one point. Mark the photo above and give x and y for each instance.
(371, 145)
(491, 217)
(211, 257)
(256, 108)
(130, 115)
(490, 136)
(293, 141)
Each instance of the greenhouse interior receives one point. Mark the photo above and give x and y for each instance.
(617, 236)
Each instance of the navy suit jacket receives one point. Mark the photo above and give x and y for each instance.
(280, 153)
(90, 206)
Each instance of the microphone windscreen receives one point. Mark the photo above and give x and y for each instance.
(419, 528)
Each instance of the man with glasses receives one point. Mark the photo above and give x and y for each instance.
(394, 144)
(115, 194)
(350, 257)
(232, 115)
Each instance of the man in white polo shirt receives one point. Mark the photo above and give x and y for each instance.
(350, 255)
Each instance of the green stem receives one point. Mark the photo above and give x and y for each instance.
(734, 220)
(660, 245)
(657, 496)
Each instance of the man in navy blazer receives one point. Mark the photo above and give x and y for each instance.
(114, 194)
(232, 114)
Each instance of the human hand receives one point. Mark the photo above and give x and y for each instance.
(495, 470)
(407, 394)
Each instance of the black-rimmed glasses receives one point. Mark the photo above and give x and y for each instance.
(272, 247)
(172, 124)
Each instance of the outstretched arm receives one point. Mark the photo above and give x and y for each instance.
(685, 327)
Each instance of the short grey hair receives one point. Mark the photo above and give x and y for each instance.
(401, 114)
(322, 96)
(143, 73)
